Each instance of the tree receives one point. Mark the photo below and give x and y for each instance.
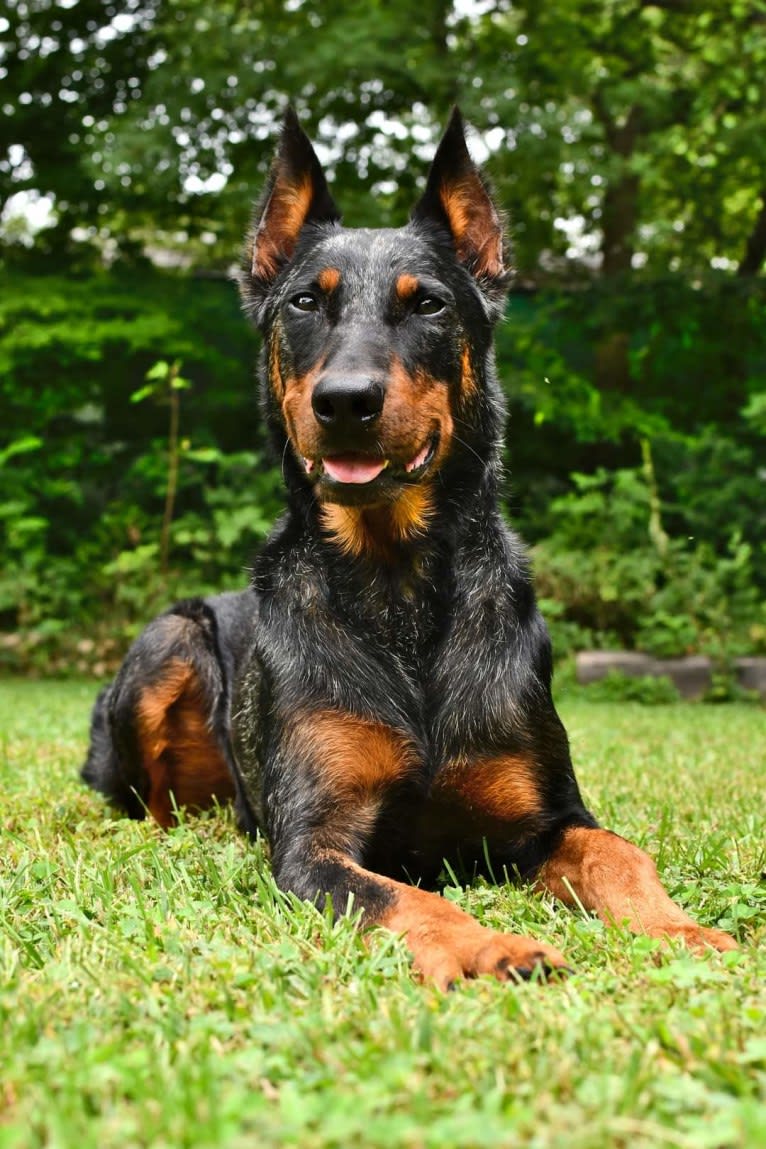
(622, 133)
(642, 123)
(67, 70)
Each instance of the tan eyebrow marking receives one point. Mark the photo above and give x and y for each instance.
(328, 279)
(406, 286)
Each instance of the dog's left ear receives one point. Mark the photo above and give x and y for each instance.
(457, 197)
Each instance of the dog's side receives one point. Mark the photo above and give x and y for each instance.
(379, 700)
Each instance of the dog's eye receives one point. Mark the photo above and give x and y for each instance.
(304, 302)
(430, 305)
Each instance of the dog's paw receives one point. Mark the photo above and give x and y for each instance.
(700, 938)
(507, 957)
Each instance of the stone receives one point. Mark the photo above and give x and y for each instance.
(751, 674)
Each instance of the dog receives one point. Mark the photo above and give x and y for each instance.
(379, 699)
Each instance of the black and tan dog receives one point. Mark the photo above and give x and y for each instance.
(379, 700)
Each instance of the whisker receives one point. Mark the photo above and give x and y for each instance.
(468, 447)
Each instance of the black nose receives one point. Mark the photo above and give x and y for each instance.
(347, 401)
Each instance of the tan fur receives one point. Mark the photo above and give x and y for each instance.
(468, 386)
(447, 944)
(619, 882)
(474, 224)
(281, 225)
(178, 750)
(406, 286)
(379, 531)
(275, 364)
(358, 760)
(501, 788)
(352, 753)
(329, 279)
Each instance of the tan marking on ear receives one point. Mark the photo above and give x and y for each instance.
(504, 787)
(475, 226)
(178, 750)
(406, 286)
(328, 279)
(280, 226)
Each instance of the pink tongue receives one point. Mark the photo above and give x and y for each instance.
(353, 468)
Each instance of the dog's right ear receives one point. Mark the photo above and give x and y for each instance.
(296, 194)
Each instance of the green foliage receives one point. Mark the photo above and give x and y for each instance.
(615, 129)
(604, 576)
(84, 470)
(85, 466)
(628, 143)
(579, 488)
(642, 357)
(645, 689)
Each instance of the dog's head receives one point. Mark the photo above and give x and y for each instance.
(377, 343)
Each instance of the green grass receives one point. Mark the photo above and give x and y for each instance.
(157, 989)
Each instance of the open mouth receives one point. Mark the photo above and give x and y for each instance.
(354, 468)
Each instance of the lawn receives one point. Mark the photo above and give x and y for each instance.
(157, 990)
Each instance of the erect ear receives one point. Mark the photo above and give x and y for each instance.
(296, 194)
(457, 197)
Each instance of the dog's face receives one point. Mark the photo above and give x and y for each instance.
(375, 339)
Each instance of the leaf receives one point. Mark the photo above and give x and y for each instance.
(160, 370)
(141, 394)
(20, 447)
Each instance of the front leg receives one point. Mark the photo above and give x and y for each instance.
(518, 802)
(325, 787)
(619, 882)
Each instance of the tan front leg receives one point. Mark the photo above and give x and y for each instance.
(619, 882)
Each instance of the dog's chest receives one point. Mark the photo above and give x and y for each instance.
(403, 612)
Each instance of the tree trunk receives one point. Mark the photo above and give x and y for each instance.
(619, 222)
(755, 248)
(620, 206)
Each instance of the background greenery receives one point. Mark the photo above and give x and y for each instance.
(628, 141)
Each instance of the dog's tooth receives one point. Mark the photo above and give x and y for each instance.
(419, 459)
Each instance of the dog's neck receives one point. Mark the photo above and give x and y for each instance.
(408, 540)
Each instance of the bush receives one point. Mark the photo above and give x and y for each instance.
(646, 689)
(84, 471)
(604, 581)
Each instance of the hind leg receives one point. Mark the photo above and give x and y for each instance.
(183, 763)
(158, 738)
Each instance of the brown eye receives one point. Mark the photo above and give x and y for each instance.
(429, 305)
(304, 302)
